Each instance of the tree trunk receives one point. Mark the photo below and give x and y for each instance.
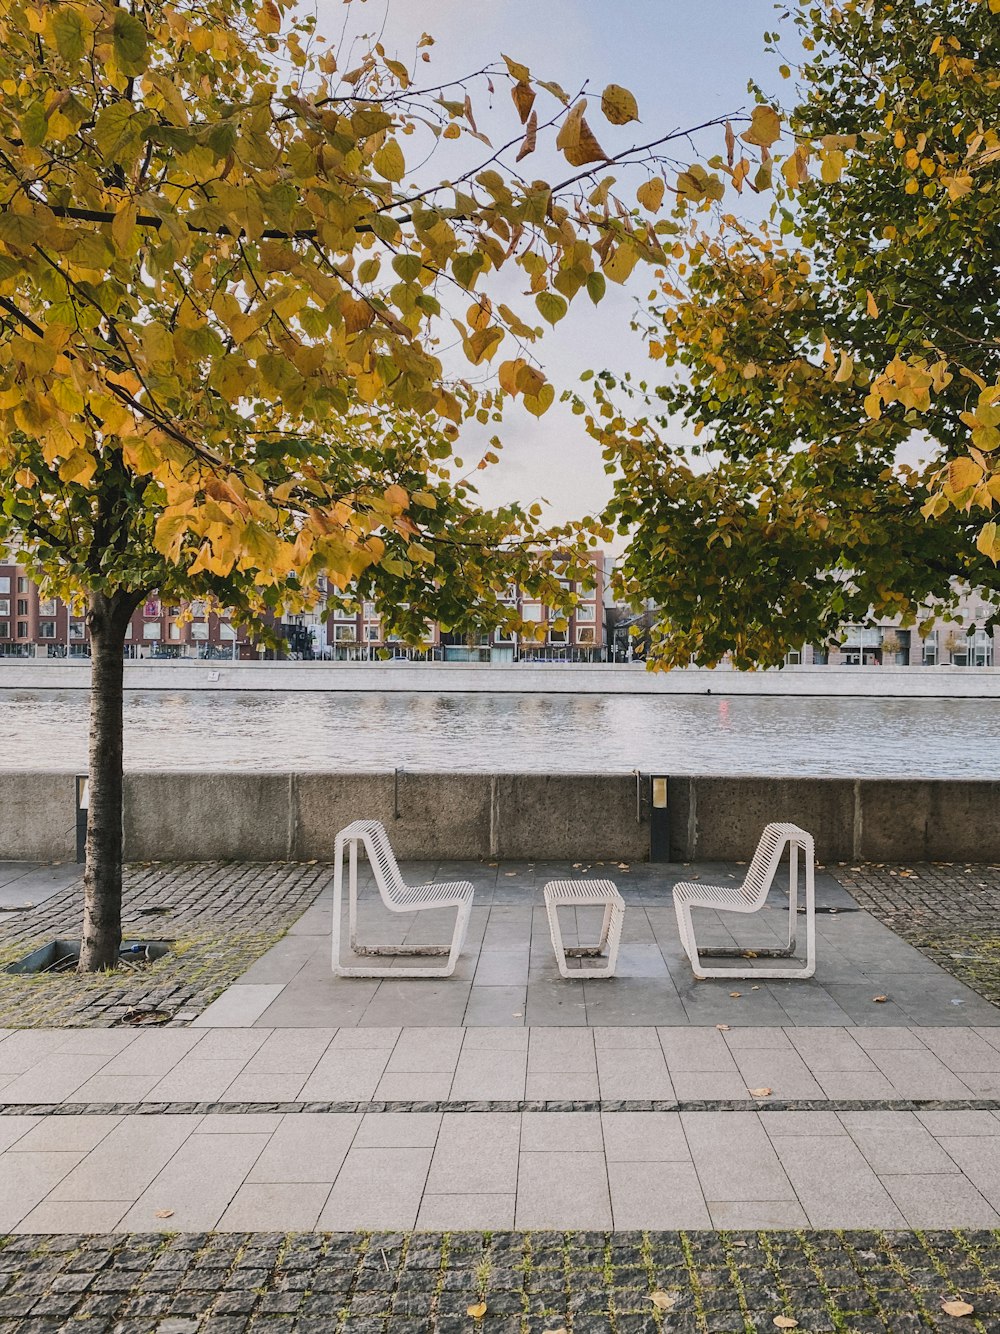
(107, 619)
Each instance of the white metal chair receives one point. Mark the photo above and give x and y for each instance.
(397, 897)
(586, 894)
(750, 897)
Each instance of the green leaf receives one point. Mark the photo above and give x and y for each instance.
(408, 267)
(69, 31)
(389, 161)
(34, 124)
(551, 307)
(596, 286)
(130, 41)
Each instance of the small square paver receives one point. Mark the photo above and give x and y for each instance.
(466, 1213)
(27, 1178)
(306, 1148)
(274, 1208)
(633, 1073)
(696, 1050)
(561, 1051)
(711, 1086)
(896, 1142)
(936, 1201)
(644, 1137)
(563, 1190)
(476, 1153)
(426, 1051)
(834, 1184)
(74, 1216)
(398, 1130)
(757, 1214)
(240, 1005)
(656, 1195)
(734, 1157)
(562, 1087)
(346, 1074)
(494, 1076)
(859, 1085)
(377, 1188)
(561, 1132)
(413, 1088)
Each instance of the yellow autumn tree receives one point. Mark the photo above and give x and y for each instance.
(224, 298)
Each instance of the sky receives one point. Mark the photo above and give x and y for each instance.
(686, 61)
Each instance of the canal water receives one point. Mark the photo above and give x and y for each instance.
(538, 733)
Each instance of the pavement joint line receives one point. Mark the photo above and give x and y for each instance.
(499, 1105)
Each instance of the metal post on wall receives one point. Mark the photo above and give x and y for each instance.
(82, 806)
(659, 820)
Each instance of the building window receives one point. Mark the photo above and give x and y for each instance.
(227, 632)
(199, 630)
(173, 631)
(929, 655)
(22, 606)
(793, 658)
(344, 634)
(47, 607)
(4, 629)
(22, 629)
(342, 614)
(982, 649)
(586, 634)
(151, 630)
(151, 607)
(372, 633)
(370, 613)
(77, 630)
(558, 636)
(4, 583)
(586, 612)
(4, 606)
(46, 629)
(533, 611)
(22, 584)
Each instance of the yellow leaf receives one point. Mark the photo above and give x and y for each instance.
(524, 97)
(650, 194)
(962, 473)
(268, 17)
(518, 72)
(123, 224)
(620, 262)
(957, 1308)
(530, 137)
(987, 542)
(765, 127)
(477, 1311)
(539, 403)
(664, 1301)
(845, 370)
(576, 140)
(389, 161)
(452, 131)
(871, 305)
(618, 105)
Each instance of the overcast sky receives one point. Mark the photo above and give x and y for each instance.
(686, 61)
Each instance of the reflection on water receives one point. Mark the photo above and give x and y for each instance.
(679, 734)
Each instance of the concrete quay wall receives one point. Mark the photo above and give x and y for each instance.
(513, 678)
(209, 816)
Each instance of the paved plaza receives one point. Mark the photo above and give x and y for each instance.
(290, 1152)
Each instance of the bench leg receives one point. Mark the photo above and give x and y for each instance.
(611, 930)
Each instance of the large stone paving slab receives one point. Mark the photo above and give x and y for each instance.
(507, 976)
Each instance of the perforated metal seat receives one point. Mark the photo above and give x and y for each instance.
(397, 896)
(584, 894)
(751, 897)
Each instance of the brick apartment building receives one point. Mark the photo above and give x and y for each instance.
(359, 635)
(32, 626)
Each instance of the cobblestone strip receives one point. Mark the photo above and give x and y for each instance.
(220, 918)
(523, 1105)
(950, 911)
(520, 1283)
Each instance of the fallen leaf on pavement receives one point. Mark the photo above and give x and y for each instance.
(879, 1000)
(477, 1312)
(760, 1093)
(735, 994)
(164, 1213)
(785, 1322)
(723, 1028)
(665, 1301)
(957, 1308)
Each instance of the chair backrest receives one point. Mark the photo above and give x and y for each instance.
(760, 873)
(391, 884)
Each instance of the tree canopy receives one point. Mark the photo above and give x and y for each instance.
(839, 365)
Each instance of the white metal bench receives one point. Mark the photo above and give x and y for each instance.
(397, 897)
(750, 897)
(586, 894)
